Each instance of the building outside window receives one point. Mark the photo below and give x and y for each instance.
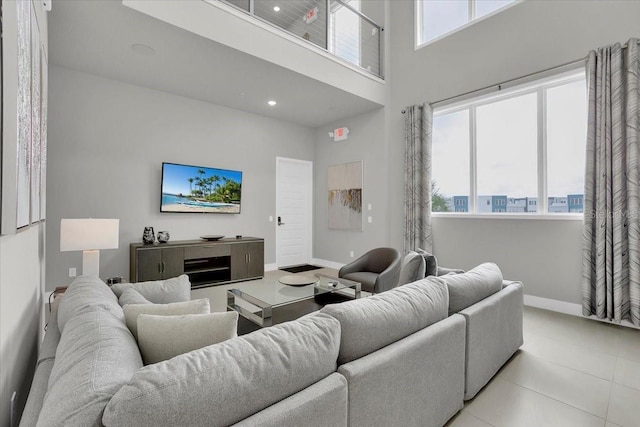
(512, 150)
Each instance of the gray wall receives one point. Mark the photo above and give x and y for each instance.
(107, 142)
(528, 37)
(366, 143)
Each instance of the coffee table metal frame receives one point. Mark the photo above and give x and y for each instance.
(263, 317)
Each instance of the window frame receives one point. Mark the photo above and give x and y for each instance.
(539, 86)
(418, 4)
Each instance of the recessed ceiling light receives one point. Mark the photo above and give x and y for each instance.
(276, 8)
(143, 49)
(271, 102)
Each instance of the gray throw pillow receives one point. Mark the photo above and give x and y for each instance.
(163, 337)
(475, 285)
(176, 289)
(413, 268)
(132, 311)
(431, 262)
(131, 296)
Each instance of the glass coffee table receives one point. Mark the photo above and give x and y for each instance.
(267, 302)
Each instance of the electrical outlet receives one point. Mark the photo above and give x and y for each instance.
(369, 219)
(270, 218)
(351, 254)
(72, 272)
(369, 206)
(13, 408)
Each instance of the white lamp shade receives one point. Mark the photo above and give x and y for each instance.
(88, 234)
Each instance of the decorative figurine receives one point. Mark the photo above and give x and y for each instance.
(163, 236)
(148, 237)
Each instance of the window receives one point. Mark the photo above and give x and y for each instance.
(437, 18)
(521, 150)
(345, 31)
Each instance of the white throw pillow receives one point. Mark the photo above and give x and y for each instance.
(163, 337)
(132, 311)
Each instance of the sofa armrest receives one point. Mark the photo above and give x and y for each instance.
(418, 380)
(494, 333)
(321, 404)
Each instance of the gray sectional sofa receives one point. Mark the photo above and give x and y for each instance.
(407, 357)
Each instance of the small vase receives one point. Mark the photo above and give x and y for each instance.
(148, 237)
(163, 236)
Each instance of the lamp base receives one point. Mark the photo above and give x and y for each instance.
(91, 263)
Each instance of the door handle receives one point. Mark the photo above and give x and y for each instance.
(164, 266)
(280, 221)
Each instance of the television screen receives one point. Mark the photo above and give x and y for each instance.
(200, 189)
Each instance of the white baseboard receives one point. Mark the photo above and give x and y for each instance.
(567, 308)
(553, 305)
(327, 264)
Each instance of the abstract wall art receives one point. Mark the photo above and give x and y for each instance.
(344, 184)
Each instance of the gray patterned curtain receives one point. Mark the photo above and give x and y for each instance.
(611, 246)
(418, 124)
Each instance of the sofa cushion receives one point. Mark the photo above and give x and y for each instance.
(96, 356)
(476, 284)
(163, 337)
(131, 296)
(413, 268)
(83, 294)
(176, 289)
(369, 324)
(227, 382)
(431, 262)
(132, 311)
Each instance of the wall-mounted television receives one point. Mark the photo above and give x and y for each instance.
(200, 189)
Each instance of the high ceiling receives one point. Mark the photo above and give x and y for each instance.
(96, 36)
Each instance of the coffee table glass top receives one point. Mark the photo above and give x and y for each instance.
(273, 293)
(256, 300)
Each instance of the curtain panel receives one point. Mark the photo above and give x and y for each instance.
(418, 127)
(611, 238)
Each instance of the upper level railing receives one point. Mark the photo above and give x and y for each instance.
(338, 26)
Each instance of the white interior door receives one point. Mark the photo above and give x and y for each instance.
(294, 195)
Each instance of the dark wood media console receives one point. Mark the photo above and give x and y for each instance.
(206, 263)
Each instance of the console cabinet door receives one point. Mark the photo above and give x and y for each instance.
(172, 262)
(239, 259)
(149, 265)
(255, 265)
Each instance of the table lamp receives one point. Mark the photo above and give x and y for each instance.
(89, 236)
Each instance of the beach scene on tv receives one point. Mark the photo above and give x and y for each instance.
(200, 189)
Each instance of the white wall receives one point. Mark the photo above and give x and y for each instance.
(107, 142)
(526, 38)
(22, 252)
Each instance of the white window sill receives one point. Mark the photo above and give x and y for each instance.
(498, 216)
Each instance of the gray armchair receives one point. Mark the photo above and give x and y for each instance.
(377, 270)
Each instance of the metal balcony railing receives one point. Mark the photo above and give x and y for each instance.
(338, 26)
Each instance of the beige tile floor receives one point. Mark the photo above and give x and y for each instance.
(569, 372)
